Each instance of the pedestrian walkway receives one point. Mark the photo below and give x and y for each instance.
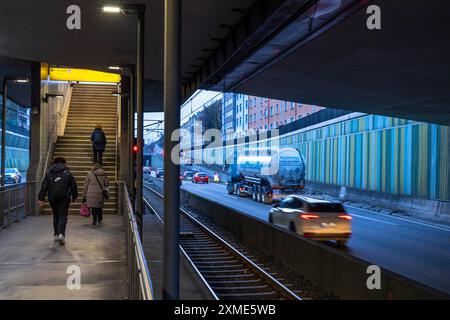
(33, 266)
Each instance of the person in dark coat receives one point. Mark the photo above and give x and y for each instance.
(98, 139)
(60, 186)
(95, 183)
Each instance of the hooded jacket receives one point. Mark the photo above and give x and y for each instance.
(92, 190)
(61, 171)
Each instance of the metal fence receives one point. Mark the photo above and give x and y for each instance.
(15, 202)
(139, 282)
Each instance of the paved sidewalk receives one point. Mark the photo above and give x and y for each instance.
(33, 266)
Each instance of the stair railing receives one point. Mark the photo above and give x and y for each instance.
(58, 127)
(118, 119)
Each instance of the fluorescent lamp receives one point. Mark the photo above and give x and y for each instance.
(114, 68)
(111, 9)
(21, 81)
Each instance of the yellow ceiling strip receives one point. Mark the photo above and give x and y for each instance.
(83, 75)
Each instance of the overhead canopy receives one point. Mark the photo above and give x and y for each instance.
(401, 70)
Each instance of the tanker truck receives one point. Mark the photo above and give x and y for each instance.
(267, 176)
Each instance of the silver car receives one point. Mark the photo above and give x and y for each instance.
(313, 218)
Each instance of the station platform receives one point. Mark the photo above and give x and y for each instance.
(33, 266)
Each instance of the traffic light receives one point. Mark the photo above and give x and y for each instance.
(135, 150)
(135, 147)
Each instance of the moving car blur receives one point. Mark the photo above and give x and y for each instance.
(313, 218)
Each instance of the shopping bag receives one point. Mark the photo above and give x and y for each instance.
(84, 211)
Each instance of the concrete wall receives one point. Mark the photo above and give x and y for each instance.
(332, 270)
(431, 210)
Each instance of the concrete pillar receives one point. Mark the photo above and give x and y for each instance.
(125, 148)
(172, 103)
(35, 169)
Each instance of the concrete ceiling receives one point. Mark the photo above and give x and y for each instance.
(36, 30)
(402, 70)
(19, 93)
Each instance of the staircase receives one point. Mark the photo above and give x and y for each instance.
(90, 105)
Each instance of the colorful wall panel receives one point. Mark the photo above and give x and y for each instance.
(380, 154)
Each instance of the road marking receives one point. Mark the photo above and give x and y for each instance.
(232, 197)
(406, 220)
(362, 217)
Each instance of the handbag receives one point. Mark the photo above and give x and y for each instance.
(84, 210)
(104, 190)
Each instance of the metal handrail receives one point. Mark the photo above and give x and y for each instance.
(140, 285)
(13, 204)
(50, 147)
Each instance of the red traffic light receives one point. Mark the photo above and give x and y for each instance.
(135, 149)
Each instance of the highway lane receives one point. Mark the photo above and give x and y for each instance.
(415, 250)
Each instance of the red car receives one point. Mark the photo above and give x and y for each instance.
(200, 178)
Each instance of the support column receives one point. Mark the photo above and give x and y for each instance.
(125, 149)
(132, 109)
(140, 118)
(172, 104)
(35, 169)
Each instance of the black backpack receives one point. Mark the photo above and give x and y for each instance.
(59, 184)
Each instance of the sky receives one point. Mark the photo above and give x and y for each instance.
(189, 108)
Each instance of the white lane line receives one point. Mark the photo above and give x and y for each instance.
(362, 217)
(227, 195)
(406, 220)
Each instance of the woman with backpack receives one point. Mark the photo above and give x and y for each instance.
(95, 192)
(98, 139)
(61, 188)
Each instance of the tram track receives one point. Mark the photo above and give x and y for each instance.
(227, 272)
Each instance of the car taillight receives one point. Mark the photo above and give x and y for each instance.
(345, 216)
(309, 216)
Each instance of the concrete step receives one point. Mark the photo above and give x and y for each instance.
(93, 122)
(83, 131)
(88, 114)
(88, 100)
(77, 158)
(83, 124)
(104, 117)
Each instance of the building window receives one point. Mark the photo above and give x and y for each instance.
(292, 119)
(285, 106)
(251, 118)
(271, 111)
(246, 119)
(292, 105)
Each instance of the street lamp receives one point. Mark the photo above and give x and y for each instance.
(4, 107)
(139, 10)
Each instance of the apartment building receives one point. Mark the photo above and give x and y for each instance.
(267, 114)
